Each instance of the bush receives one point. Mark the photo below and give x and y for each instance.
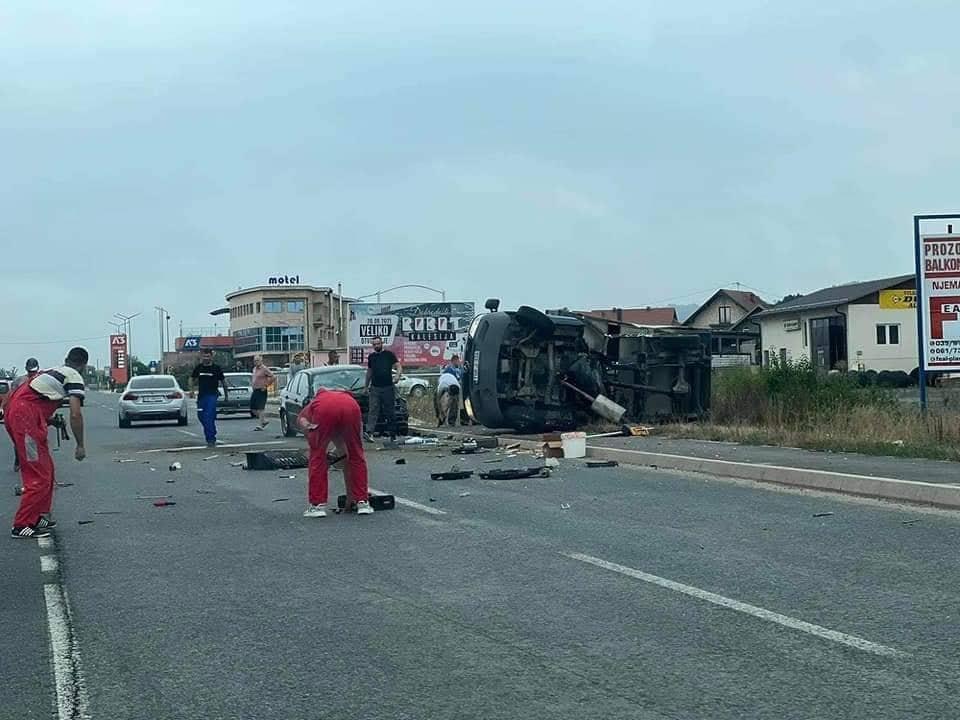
(791, 395)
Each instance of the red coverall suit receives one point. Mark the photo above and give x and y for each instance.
(26, 415)
(338, 420)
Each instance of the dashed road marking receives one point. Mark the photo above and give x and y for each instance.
(45, 543)
(757, 612)
(48, 563)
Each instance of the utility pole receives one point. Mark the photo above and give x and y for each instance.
(161, 315)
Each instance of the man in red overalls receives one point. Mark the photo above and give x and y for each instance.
(33, 367)
(334, 416)
(26, 416)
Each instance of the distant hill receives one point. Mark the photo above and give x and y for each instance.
(685, 311)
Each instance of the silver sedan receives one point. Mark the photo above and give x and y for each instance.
(152, 397)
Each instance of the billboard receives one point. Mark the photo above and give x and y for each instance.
(938, 296)
(419, 334)
(118, 359)
(898, 300)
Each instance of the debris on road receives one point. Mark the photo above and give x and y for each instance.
(464, 494)
(277, 460)
(203, 491)
(400, 461)
(823, 514)
(602, 463)
(287, 477)
(911, 522)
(452, 475)
(60, 484)
(106, 512)
(512, 446)
(515, 473)
(18, 490)
(176, 466)
(237, 464)
(494, 460)
(85, 522)
(119, 460)
(564, 506)
(163, 503)
(551, 463)
(377, 502)
(211, 457)
(280, 499)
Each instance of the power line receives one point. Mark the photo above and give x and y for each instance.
(52, 342)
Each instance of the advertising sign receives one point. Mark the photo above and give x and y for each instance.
(191, 343)
(118, 358)
(898, 299)
(939, 299)
(419, 334)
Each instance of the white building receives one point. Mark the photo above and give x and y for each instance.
(862, 326)
(731, 317)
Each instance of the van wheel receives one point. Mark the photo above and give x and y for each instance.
(285, 425)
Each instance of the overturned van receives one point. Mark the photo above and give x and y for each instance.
(532, 372)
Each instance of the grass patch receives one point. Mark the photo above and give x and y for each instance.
(793, 405)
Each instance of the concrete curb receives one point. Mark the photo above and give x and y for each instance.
(921, 493)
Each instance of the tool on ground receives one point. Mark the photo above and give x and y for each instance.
(601, 404)
(377, 502)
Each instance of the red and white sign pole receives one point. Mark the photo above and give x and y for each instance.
(119, 362)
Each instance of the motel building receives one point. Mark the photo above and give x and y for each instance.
(283, 317)
(857, 327)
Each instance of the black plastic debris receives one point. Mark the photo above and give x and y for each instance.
(400, 461)
(452, 475)
(276, 460)
(377, 502)
(602, 463)
(515, 473)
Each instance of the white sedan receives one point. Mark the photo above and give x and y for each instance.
(152, 397)
(412, 386)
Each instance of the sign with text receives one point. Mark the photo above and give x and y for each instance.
(118, 358)
(191, 343)
(898, 299)
(419, 334)
(939, 298)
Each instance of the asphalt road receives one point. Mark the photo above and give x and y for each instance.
(596, 593)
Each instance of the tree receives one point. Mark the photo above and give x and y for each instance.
(137, 367)
(788, 298)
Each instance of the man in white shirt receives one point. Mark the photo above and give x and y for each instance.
(27, 415)
(447, 399)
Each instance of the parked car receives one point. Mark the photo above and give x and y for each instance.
(152, 397)
(412, 386)
(238, 401)
(335, 377)
(4, 389)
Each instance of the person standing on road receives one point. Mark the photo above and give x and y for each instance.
(262, 380)
(205, 380)
(298, 363)
(383, 371)
(33, 367)
(333, 416)
(447, 398)
(28, 416)
(455, 367)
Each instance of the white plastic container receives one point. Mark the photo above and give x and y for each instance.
(574, 444)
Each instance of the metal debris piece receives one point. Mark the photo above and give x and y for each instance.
(564, 506)
(280, 499)
(202, 491)
(85, 522)
(106, 512)
(211, 457)
(60, 484)
(911, 522)
(464, 494)
(237, 464)
(176, 466)
(163, 503)
(125, 461)
(823, 514)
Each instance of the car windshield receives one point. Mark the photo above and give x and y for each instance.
(239, 380)
(152, 383)
(348, 378)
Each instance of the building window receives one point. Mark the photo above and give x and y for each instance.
(295, 306)
(247, 341)
(258, 308)
(284, 339)
(724, 314)
(888, 334)
(803, 324)
(273, 306)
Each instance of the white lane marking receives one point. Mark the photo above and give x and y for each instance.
(410, 503)
(45, 543)
(204, 447)
(758, 612)
(48, 563)
(187, 432)
(72, 703)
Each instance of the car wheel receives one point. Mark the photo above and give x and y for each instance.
(122, 422)
(285, 425)
(183, 420)
(418, 391)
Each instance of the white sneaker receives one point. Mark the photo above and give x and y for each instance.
(363, 508)
(315, 511)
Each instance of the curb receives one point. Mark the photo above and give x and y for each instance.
(910, 491)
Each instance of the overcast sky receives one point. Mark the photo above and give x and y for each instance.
(548, 153)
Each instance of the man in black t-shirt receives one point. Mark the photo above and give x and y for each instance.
(383, 370)
(205, 379)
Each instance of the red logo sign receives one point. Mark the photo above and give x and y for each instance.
(943, 308)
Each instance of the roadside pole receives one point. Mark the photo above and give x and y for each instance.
(922, 378)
